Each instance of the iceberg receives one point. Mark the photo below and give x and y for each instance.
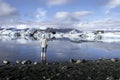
(110, 37)
(70, 34)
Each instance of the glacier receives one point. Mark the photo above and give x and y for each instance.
(32, 34)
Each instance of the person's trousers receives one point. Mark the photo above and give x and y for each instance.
(44, 49)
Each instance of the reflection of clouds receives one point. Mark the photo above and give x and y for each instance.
(61, 55)
(102, 46)
(6, 52)
(22, 41)
(68, 50)
(58, 50)
(106, 50)
(64, 50)
(88, 50)
(13, 51)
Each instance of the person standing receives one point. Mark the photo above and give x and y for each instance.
(43, 43)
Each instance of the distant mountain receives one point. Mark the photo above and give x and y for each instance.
(33, 31)
(65, 30)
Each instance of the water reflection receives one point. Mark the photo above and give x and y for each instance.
(43, 57)
(59, 49)
(98, 38)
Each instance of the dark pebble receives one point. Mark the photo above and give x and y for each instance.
(91, 70)
(72, 61)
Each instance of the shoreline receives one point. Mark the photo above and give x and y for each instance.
(102, 69)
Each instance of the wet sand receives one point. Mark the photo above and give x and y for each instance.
(101, 69)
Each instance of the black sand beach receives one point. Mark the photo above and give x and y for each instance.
(81, 70)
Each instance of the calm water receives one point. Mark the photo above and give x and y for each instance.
(58, 50)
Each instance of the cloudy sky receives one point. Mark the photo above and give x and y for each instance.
(80, 14)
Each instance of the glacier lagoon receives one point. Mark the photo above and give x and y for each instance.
(58, 50)
(62, 46)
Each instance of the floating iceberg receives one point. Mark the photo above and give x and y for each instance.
(72, 35)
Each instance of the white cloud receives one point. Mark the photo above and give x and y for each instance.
(6, 9)
(40, 14)
(100, 24)
(106, 23)
(72, 16)
(62, 15)
(57, 2)
(112, 4)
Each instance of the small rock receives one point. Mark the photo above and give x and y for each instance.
(23, 62)
(35, 63)
(44, 77)
(26, 78)
(6, 62)
(68, 75)
(57, 74)
(48, 79)
(110, 78)
(29, 62)
(26, 62)
(8, 78)
(64, 67)
(119, 79)
(54, 63)
(47, 63)
(101, 58)
(79, 61)
(113, 60)
(17, 62)
(98, 61)
(19, 67)
(89, 78)
(72, 61)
